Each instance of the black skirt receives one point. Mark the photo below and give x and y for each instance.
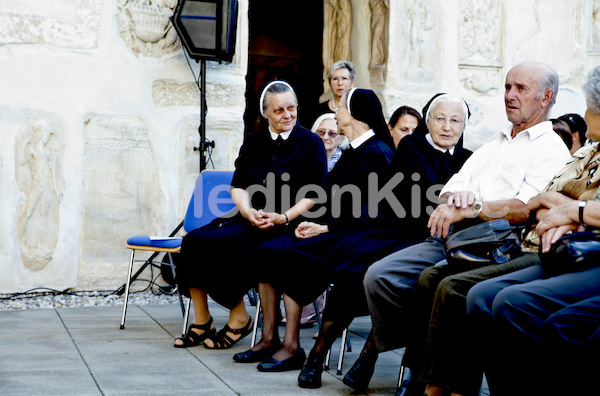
(220, 259)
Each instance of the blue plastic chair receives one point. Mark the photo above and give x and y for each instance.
(211, 199)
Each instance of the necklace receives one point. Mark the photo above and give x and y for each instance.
(335, 106)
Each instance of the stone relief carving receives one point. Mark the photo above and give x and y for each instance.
(379, 28)
(421, 23)
(39, 174)
(420, 33)
(479, 32)
(482, 81)
(480, 46)
(338, 14)
(120, 189)
(145, 27)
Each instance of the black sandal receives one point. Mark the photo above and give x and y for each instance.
(222, 341)
(191, 338)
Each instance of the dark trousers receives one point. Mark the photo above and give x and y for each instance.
(443, 342)
(545, 328)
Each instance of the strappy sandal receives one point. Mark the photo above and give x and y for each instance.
(191, 338)
(222, 341)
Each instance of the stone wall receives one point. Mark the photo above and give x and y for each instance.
(467, 46)
(99, 117)
(99, 107)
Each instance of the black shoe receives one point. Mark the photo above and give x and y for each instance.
(359, 375)
(408, 384)
(310, 376)
(251, 356)
(292, 363)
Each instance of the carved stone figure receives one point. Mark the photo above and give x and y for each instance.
(379, 27)
(39, 174)
(339, 15)
(421, 23)
(145, 26)
(479, 32)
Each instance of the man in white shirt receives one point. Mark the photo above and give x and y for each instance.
(495, 182)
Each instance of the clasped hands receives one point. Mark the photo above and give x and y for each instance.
(264, 220)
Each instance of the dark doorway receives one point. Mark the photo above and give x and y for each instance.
(286, 40)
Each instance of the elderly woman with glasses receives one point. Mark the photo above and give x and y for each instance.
(423, 162)
(298, 265)
(326, 127)
(215, 259)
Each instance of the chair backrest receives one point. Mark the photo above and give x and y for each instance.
(211, 199)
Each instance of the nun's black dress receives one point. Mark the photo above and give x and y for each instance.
(219, 258)
(373, 238)
(301, 268)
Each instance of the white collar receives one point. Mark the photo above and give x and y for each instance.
(284, 135)
(533, 132)
(362, 138)
(438, 148)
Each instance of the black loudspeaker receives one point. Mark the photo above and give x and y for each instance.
(207, 28)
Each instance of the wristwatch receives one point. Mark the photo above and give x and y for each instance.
(287, 220)
(477, 208)
(581, 207)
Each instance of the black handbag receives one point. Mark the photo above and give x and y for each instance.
(573, 252)
(492, 242)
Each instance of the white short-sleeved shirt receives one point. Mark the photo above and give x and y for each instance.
(508, 168)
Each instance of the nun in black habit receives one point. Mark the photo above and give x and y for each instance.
(298, 265)
(425, 161)
(216, 259)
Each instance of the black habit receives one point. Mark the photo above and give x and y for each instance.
(374, 238)
(218, 258)
(301, 268)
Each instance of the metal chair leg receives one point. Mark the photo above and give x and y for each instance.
(127, 285)
(255, 325)
(186, 316)
(342, 347)
(317, 313)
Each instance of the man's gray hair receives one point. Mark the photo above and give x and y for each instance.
(591, 90)
(547, 79)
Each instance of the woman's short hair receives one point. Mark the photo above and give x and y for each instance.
(272, 88)
(403, 110)
(591, 90)
(342, 64)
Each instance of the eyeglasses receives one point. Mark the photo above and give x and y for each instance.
(441, 120)
(281, 110)
(332, 135)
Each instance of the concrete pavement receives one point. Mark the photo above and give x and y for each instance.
(82, 351)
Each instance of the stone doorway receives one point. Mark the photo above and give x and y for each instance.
(286, 41)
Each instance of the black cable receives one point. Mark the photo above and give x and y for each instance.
(153, 287)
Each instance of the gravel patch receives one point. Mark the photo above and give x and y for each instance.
(50, 300)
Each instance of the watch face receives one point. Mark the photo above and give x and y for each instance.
(477, 206)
